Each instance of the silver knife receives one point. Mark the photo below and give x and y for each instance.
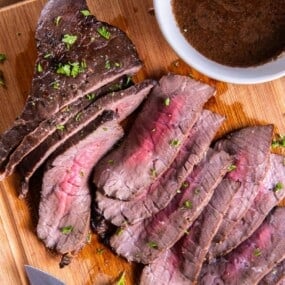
(39, 277)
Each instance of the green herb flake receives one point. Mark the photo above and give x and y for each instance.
(60, 127)
(111, 161)
(55, 85)
(187, 204)
(83, 65)
(2, 57)
(66, 230)
(129, 80)
(107, 65)
(69, 40)
(152, 244)
(57, 20)
(39, 68)
(278, 187)
(122, 279)
(153, 173)
(91, 96)
(103, 32)
(166, 102)
(78, 116)
(185, 185)
(257, 252)
(105, 129)
(100, 250)
(232, 167)
(64, 69)
(89, 238)
(117, 64)
(85, 13)
(119, 231)
(279, 142)
(70, 69)
(48, 55)
(174, 143)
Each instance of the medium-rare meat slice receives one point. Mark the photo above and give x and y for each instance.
(143, 242)
(122, 102)
(77, 54)
(48, 126)
(64, 211)
(276, 276)
(271, 192)
(182, 263)
(155, 137)
(254, 258)
(159, 194)
(250, 167)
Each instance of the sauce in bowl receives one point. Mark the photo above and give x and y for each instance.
(237, 33)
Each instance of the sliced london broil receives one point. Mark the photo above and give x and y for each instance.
(182, 263)
(77, 54)
(254, 258)
(249, 169)
(159, 194)
(271, 192)
(276, 276)
(64, 211)
(155, 138)
(145, 241)
(123, 103)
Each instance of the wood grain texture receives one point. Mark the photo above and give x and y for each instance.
(242, 105)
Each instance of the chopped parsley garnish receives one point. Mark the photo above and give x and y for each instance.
(129, 80)
(105, 129)
(103, 32)
(117, 64)
(152, 244)
(119, 231)
(111, 161)
(2, 57)
(89, 238)
(279, 142)
(232, 167)
(48, 55)
(187, 204)
(39, 68)
(57, 20)
(55, 85)
(278, 187)
(77, 117)
(185, 185)
(66, 230)
(60, 127)
(85, 13)
(174, 143)
(257, 252)
(107, 64)
(71, 68)
(91, 96)
(122, 279)
(69, 40)
(166, 102)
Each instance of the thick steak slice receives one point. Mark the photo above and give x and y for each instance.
(271, 192)
(64, 212)
(252, 163)
(276, 276)
(122, 102)
(254, 258)
(159, 194)
(182, 263)
(155, 138)
(65, 72)
(145, 241)
(48, 126)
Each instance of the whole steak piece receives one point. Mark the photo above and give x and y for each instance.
(64, 211)
(77, 54)
(254, 258)
(155, 138)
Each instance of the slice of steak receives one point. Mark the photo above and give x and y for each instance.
(251, 164)
(48, 126)
(155, 137)
(182, 263)
(271, 192)
(254, 258)
(159, 194)
(143, 242)
(64, 211)
(64, 72)
(276, 276)
(122, 102)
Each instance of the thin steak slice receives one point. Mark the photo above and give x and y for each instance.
(252, 163)
(64, 211)
(48, 126)
(276, 276)
(122, 102)
(254, 258)
(182, 263)
(155, 137)
(145, 241)
(159, 194)
(65, 72)
(271, 192)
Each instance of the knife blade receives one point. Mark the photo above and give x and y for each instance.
(37, 276)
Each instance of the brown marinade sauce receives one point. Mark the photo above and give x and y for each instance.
(233, 32)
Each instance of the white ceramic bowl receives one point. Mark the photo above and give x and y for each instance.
(249, 75)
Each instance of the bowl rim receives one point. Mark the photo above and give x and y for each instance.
(238, 75)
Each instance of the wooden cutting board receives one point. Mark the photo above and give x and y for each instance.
(242, 105)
